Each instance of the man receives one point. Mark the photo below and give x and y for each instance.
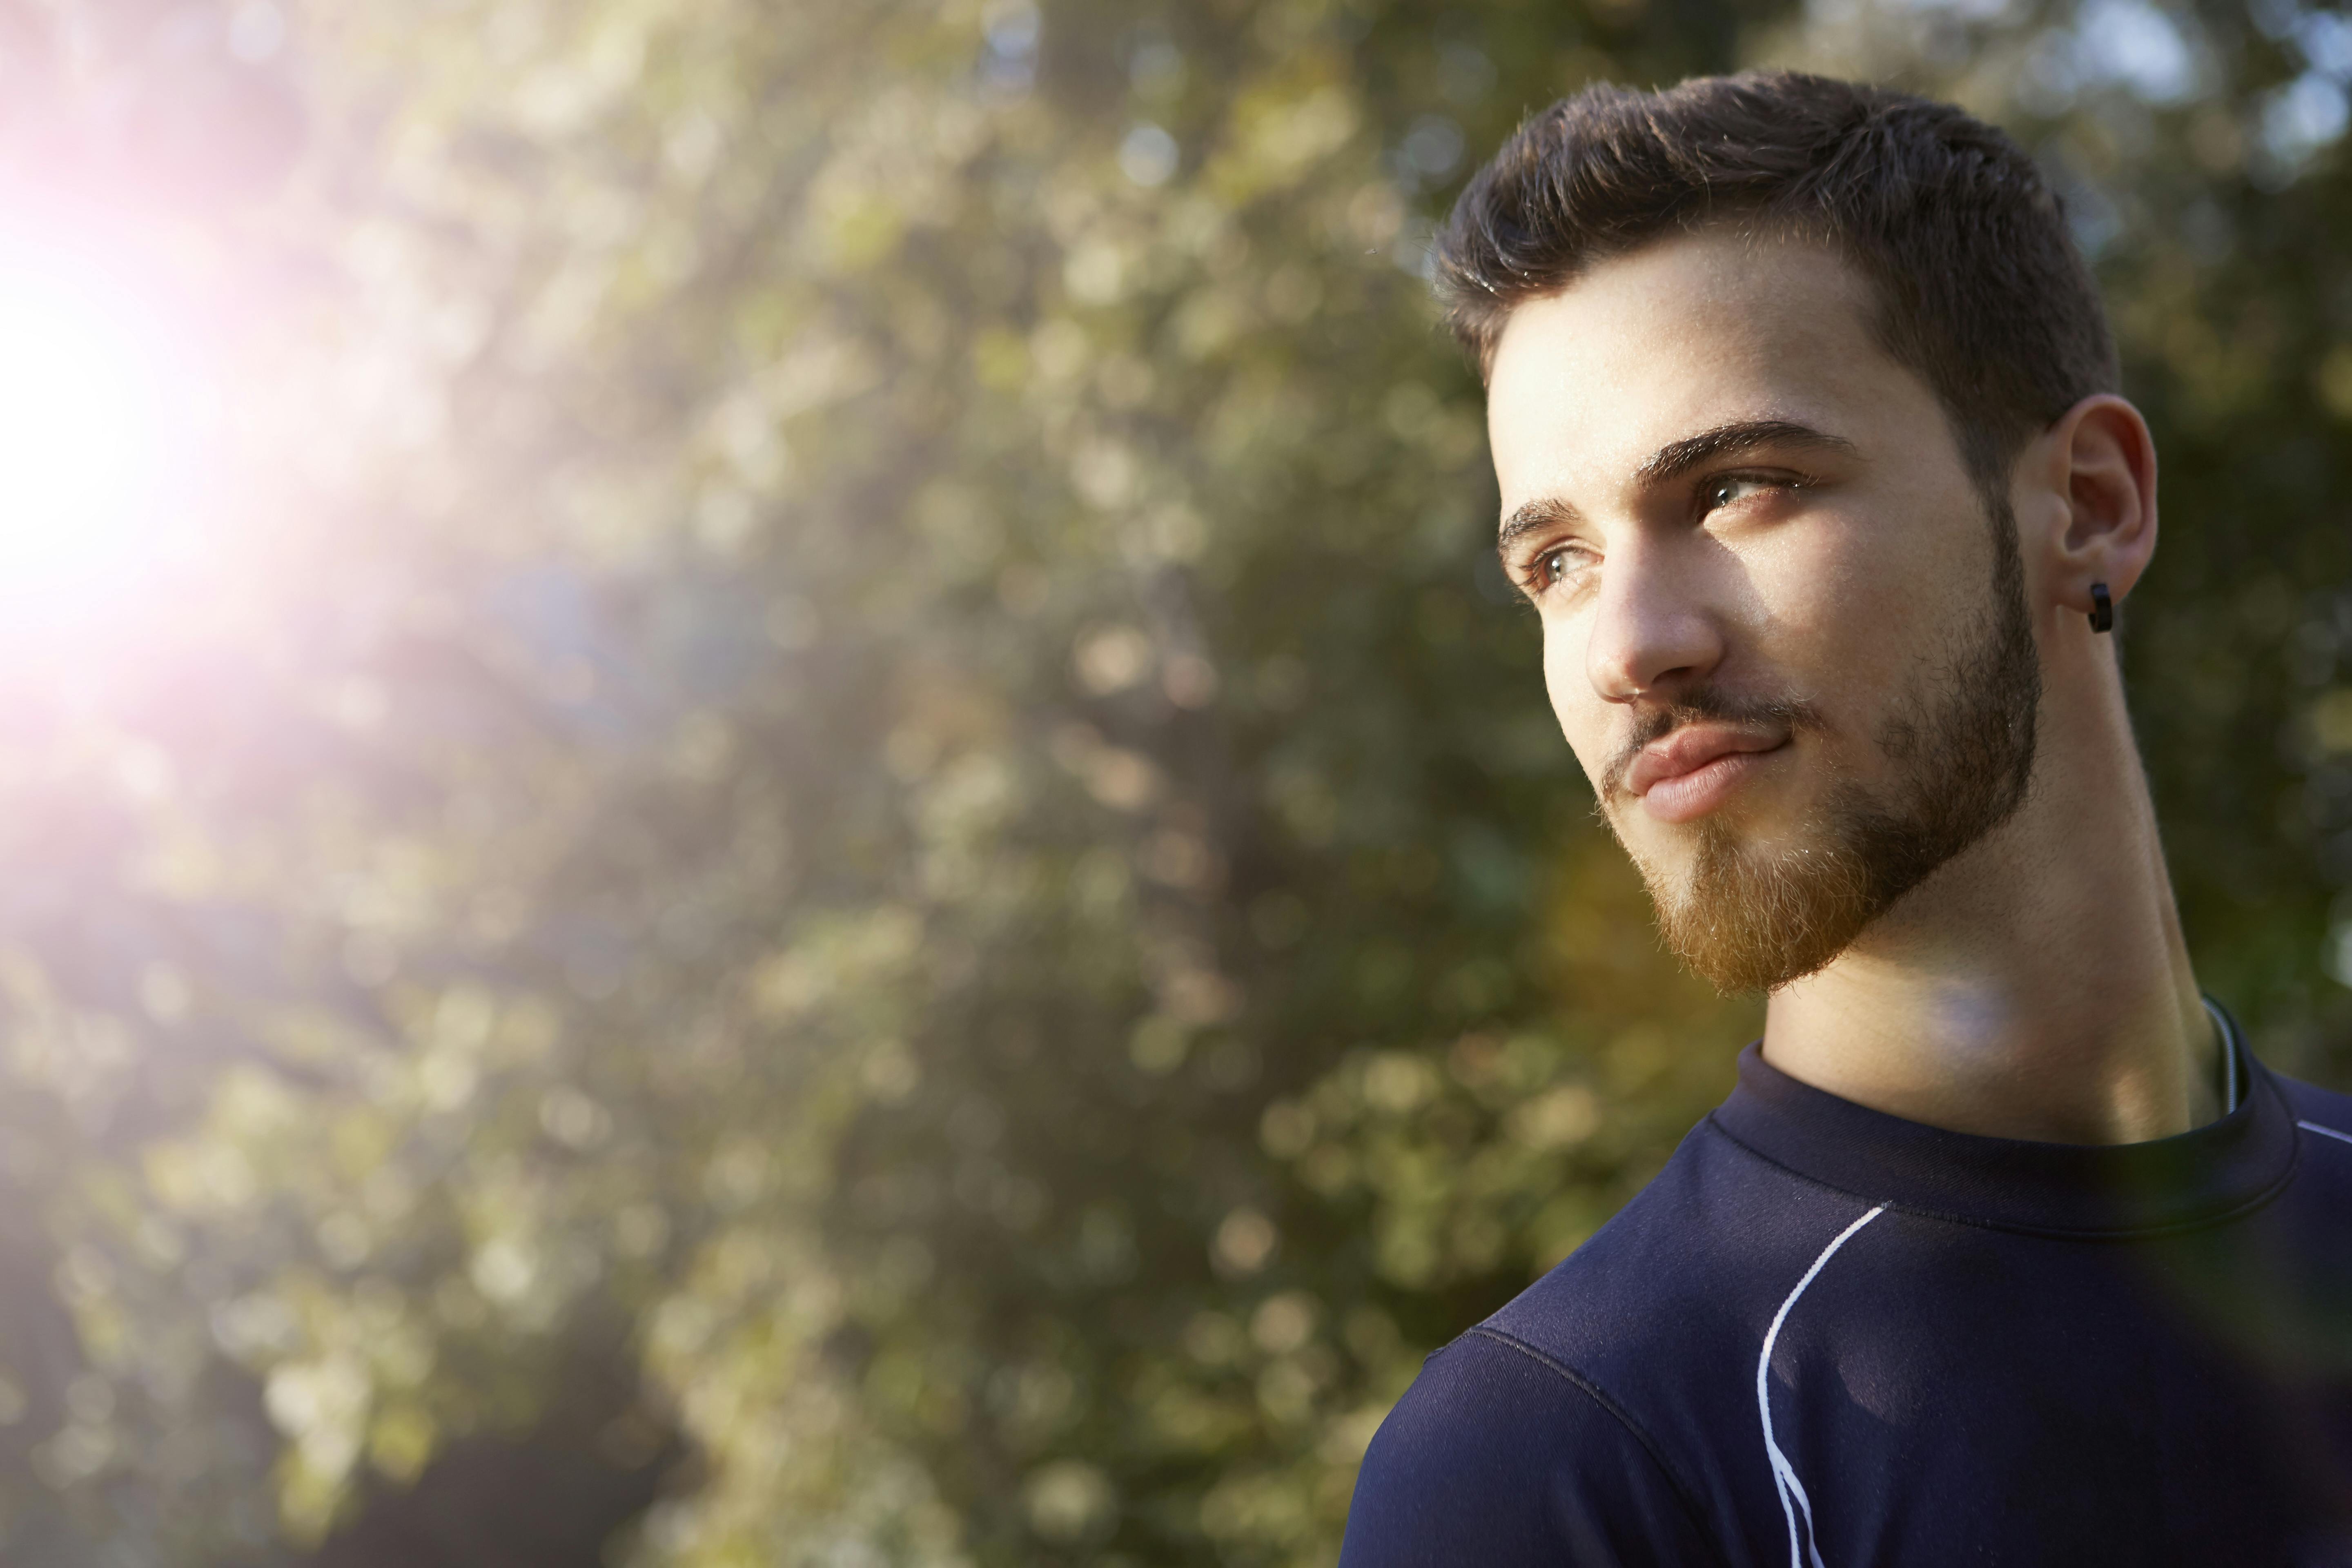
(2004, 1250)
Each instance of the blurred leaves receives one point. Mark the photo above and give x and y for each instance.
(858, 761)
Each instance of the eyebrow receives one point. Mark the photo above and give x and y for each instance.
(1675, 459)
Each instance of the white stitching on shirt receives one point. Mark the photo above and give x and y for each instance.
(2325, 1131)
(1784, 1475)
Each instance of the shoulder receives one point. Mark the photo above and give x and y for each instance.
(1500, 1455)
(2320, 1110)
(2324, 1127)
(1561, 1429)
(1678, 1284)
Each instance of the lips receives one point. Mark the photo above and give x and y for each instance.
(1690, 771)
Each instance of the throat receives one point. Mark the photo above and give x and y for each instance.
(2007, 1064)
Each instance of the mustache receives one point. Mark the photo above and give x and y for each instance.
(1704, 704)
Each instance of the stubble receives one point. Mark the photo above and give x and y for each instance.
(1960, 743)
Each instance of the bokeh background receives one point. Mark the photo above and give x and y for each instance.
(764, 797)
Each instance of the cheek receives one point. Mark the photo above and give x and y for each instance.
(1803, 612)
(1845, 599)
(1583, 717)
(1835, 586)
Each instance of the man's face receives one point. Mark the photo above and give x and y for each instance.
(1782, 632)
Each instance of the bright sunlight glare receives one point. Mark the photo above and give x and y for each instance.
(98, 427)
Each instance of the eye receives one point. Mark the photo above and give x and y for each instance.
(1732, 488)
(1548, 570)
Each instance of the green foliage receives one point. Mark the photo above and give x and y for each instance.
(865, 759)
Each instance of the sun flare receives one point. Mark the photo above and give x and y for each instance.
(99, 425)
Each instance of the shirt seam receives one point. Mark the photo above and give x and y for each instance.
(2258, 1200)
(1650, 1446)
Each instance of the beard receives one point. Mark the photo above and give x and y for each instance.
(1960, 741)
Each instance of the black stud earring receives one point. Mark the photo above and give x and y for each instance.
(2102, 609)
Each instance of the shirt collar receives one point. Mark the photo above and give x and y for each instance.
(2207, 1173)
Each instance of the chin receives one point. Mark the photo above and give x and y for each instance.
(1675, 849)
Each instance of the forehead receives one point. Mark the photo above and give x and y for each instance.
(1682, 336)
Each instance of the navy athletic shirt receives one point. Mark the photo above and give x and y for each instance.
(1826, 1337)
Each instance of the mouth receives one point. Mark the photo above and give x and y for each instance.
(1695, 770)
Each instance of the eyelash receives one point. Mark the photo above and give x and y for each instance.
(1533, 579)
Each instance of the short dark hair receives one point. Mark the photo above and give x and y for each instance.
(1980, 287)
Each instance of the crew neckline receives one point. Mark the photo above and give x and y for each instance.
(2230, 1165)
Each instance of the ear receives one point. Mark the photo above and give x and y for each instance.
(2099, 463)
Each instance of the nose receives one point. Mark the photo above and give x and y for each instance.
(1652, 631)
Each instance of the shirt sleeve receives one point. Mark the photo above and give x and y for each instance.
(1498, 1456)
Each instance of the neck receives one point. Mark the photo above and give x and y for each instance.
(2037, 985)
